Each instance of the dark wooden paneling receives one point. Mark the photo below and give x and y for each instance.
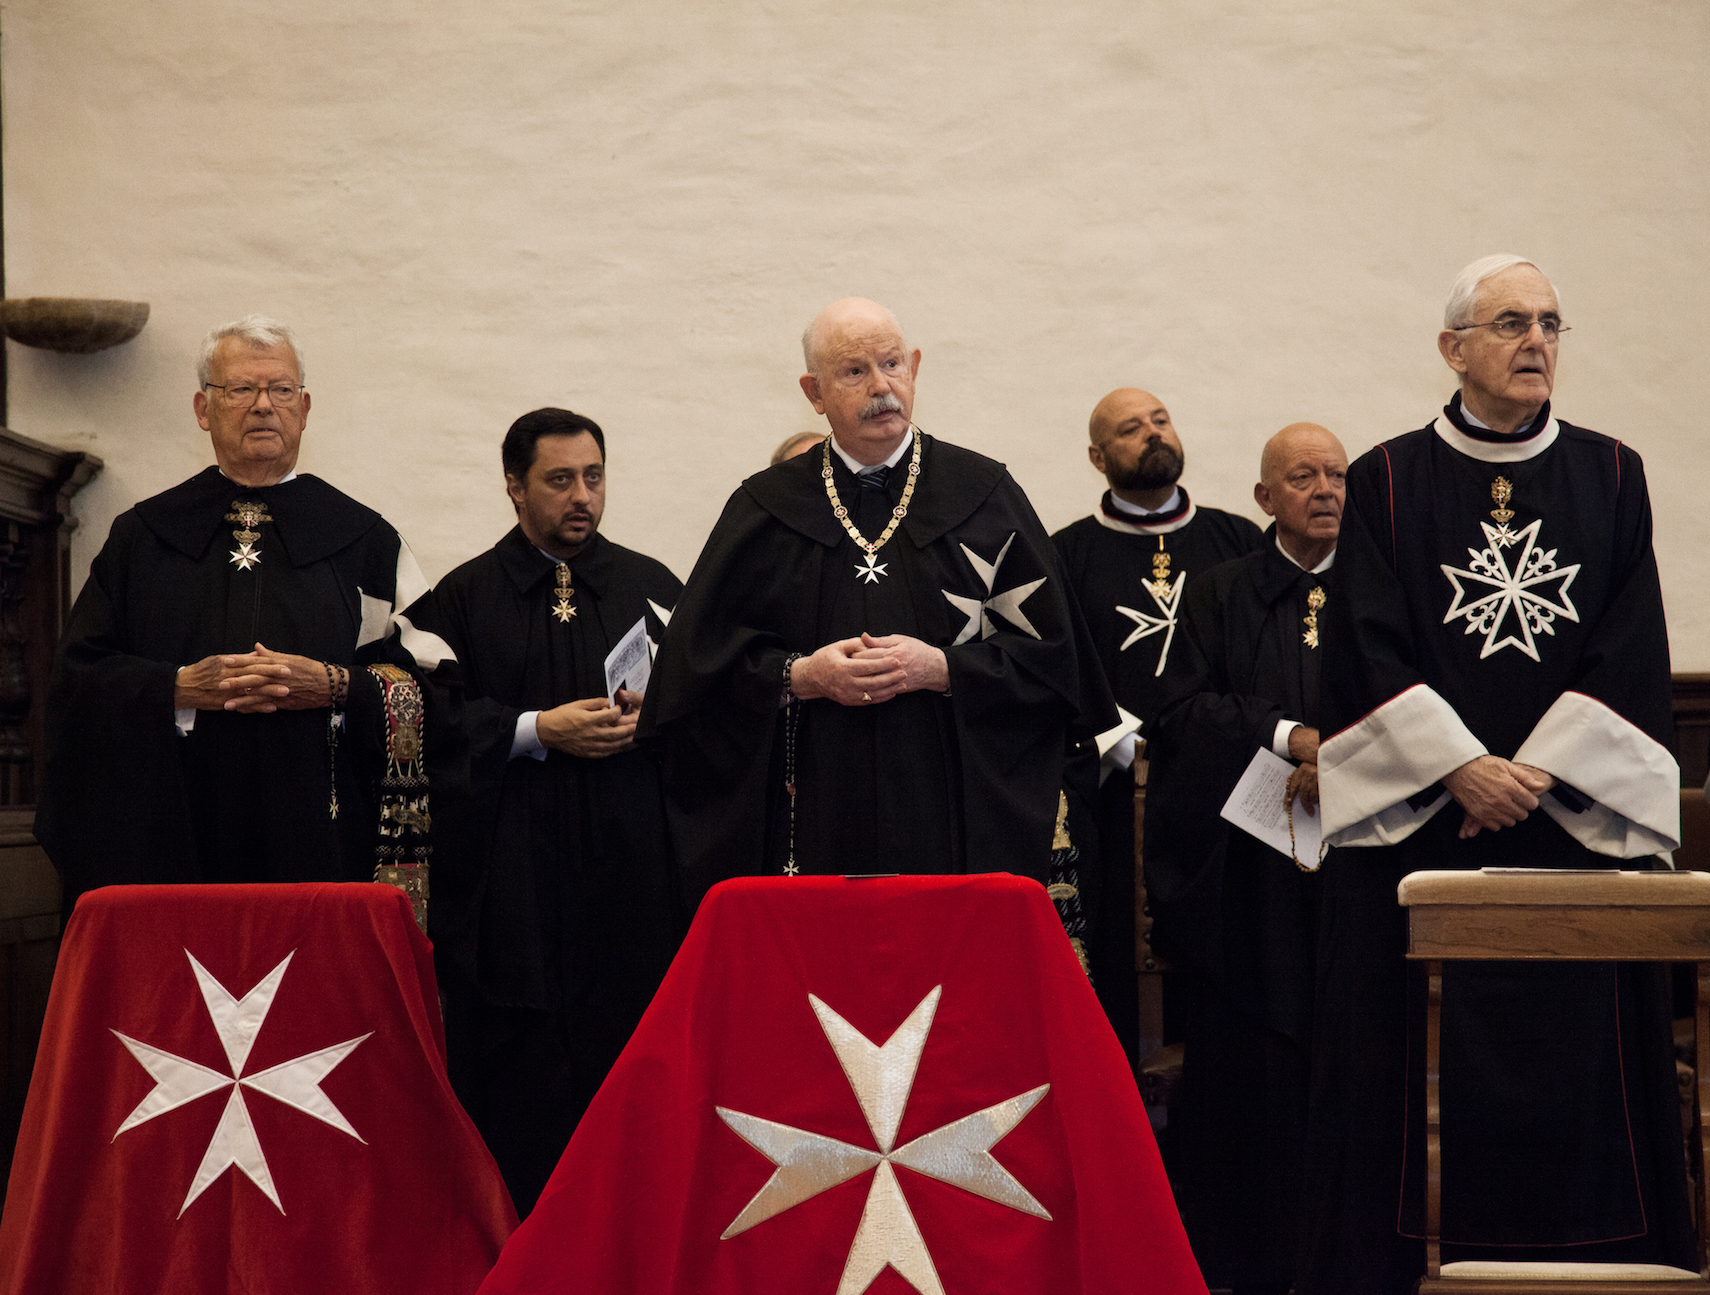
(1692, 749)
(37, 483)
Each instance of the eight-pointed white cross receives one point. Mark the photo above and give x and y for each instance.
(1520, 590)
(958, 1153)
(1007, 604)
(1148, 625)
(178, 1080)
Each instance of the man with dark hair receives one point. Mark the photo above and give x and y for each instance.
(1234, 916)
(210, 718)
(555, 911)
(876, 665)
(1130, 564)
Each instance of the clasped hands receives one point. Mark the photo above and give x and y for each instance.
(867, 670)
(253, 683)
(1495, 793)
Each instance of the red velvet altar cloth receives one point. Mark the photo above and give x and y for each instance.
(654, 1174)
(403, 1198)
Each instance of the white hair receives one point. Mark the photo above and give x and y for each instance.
(257, 330)
(1463, 294)
(811, 360)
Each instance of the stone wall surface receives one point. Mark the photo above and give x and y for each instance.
(1252, 208)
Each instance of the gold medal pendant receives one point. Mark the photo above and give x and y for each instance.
(562, 608)
(248, 515)
(872, 568)
(1314, 600)
(1501, 491)
(1159, 584)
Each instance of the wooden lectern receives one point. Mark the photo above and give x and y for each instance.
(1548, 916)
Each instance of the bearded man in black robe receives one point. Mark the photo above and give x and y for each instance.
(876, 665)
(556, 911)
(1237, 919)
(210, 719)
(1496, 683)
(1132, 563)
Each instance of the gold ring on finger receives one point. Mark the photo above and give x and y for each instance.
(865, 697)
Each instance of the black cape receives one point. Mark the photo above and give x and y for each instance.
(1234, 917)
(1108, 560)
(555, 911)
(125, 797)
(1558, 1080)
(964, 782)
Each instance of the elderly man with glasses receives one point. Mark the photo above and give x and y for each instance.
(210, 719)
(1496, 687)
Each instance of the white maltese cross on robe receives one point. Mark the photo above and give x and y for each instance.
(1007, 604)
(1169, 607)
(958, 1153)
(1488, 589)
(178, 1081)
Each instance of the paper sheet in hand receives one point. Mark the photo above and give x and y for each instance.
(628, 665)
(1256, 807)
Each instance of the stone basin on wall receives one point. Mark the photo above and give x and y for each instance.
(74, 325)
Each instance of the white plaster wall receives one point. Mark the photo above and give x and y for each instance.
(469, 210)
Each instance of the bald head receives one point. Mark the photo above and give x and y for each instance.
(1302, 483)
(860, 376)
(851, 313)
(1136, 447)
(1120, 405)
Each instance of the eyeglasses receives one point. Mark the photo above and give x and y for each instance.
(1510, 327)
(243, 396)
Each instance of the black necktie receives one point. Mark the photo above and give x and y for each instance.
(874, 478)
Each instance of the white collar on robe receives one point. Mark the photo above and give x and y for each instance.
(289, 476)
(1494, 451)
(1318, 570)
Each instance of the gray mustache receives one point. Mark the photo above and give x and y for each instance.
(885, 404)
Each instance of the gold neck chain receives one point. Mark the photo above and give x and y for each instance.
(870, 547)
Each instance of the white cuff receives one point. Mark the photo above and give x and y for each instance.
(1367, 771)
(1279, 739)
(526, 741)
(184, 720)
(1119, 739)
(1116, 745)
(1632, 779)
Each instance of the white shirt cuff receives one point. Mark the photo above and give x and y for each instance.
(1279, 739)
(184, 720)
(527, 741)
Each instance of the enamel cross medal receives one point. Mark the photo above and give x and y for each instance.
(248, 514)
(562, 608)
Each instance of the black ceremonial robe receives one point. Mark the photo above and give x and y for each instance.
(1234, 917)
(555, 910)
(126, 798)
(1109, 560)
(927, 782)
(1539, 637)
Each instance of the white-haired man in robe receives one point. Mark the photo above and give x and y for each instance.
(1496, 694)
